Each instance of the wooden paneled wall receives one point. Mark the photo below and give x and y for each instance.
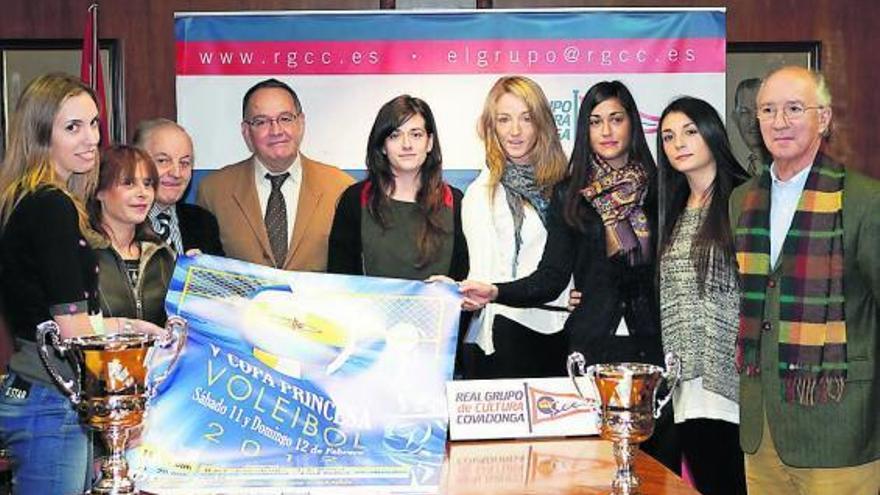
(145, 30)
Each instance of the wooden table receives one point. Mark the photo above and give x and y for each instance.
(575, 466)
(557, 467)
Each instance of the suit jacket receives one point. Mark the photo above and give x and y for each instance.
(231, 195)
(198, 229)
(836, 434)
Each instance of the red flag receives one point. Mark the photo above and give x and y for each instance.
(90, 69)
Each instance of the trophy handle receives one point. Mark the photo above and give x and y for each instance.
(670, 375)
(49, 335)
(176, 336)
(577, 366)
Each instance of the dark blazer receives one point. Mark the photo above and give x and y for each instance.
(610, 287)
(834, 434)
(198, 229)
(345, 253)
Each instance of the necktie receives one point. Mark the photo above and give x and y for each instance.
(276, 219)
(163, 226)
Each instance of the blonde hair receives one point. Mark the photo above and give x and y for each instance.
(28, 166)
(547, 157)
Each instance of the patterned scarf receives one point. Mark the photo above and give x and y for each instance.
(618, 195)
(812, 330)
(520, 187)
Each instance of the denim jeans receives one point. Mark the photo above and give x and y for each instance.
(50, 448)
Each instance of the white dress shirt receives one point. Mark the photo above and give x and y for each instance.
(784, 199)
(290, 190)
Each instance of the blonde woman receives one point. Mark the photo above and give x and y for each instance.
(49, 272)
(505, 217)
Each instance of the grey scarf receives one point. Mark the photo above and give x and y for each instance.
(519, 187)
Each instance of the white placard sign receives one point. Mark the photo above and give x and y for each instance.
(520, 408)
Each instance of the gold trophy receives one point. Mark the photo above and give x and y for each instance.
(110, 387)
(628, 392)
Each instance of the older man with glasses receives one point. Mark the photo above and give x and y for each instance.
(276, 207)
(807, 237)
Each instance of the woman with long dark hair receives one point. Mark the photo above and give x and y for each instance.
(49, 272)
(505, 213)
(699, 296)
(601, 229)
(403, 220)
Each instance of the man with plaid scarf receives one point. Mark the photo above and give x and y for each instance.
(807, 236)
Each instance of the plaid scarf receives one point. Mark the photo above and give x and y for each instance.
(617, 195)
(520, 187)
(812, 331)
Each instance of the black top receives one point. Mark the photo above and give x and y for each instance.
(346, 255)
(47, 266)
(198, 229)
(610, 287)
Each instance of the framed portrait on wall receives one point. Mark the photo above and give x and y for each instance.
(23, 60)
(747, 64)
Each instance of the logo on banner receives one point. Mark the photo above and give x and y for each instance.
(549, 406)
(565, 113)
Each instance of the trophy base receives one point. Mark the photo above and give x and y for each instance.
(625, 482)
(114, 489)
(625, 490)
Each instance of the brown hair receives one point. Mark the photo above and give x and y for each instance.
(118, 163)
(431, 195)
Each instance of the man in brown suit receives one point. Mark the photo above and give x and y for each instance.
(276, 207)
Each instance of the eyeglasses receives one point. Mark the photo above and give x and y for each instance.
(791, 111)
(262, 123)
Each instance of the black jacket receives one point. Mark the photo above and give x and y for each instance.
(198, 229)
(610, 287)
(146, 301)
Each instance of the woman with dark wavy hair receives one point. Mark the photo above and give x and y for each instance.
(699, 294)
(403, 220)
(601, 229)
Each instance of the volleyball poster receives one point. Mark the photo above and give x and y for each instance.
(301, 380)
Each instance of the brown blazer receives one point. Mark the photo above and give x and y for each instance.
(231, 195)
